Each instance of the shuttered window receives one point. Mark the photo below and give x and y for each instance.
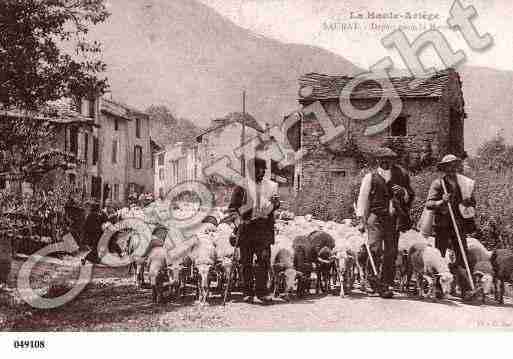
(114, 151)
(137, 157)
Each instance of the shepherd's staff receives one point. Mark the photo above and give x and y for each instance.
(459, 238)
(371, 259)
(230, 274)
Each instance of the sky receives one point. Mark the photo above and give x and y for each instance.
(328, 24)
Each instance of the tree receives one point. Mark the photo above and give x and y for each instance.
(496, 154)
(34, 68)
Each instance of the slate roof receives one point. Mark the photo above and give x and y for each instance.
(314, 86)
(59, 112)
(120, 110)
(232, 117)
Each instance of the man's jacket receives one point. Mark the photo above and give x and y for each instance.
(260, 230)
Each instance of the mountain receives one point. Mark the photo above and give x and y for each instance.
(488, 104)
(183, 54)
(186, 56)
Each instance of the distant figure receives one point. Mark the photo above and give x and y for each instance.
(93, 231)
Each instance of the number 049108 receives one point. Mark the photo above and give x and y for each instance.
(29, 344)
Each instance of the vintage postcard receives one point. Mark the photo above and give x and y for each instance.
(244, 165)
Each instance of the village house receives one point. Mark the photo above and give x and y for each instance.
(125, 152)
(175, 164)
(224, 136)
(66, 157)
(429, 126)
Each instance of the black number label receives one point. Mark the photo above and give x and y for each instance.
(29, 344)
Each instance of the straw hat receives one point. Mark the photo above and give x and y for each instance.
(383, 152)
(447, 159)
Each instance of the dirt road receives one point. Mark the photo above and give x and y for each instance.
(117, 305)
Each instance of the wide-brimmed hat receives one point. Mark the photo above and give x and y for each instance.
(447, 159)
(211, 220)
(385, 152)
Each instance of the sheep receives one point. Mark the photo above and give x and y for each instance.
(502, 264)
(482, 270)
(284, 273)
(320, 246)
(426, 262)
(302, 264)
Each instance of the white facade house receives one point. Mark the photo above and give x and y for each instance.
(175, 164)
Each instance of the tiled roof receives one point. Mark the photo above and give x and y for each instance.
(315, 86)
(56, 112)
(232, 117)
(121, 110)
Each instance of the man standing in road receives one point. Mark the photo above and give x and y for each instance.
(462, 201)
(256, 205)
(383, 210)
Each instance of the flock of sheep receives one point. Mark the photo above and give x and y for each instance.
(329, 254)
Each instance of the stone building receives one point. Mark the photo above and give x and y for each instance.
(125, 152)
(224, 136)
(66, 156)
(429, 125)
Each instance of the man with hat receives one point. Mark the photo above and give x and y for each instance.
(256, 204)
(383, 209)
(462, 202)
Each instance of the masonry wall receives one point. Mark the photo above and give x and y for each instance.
(143, 176)
(223, 142)
(329, 181)
(114, 173)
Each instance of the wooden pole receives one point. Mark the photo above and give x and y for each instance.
(243, 137)
(459, 238)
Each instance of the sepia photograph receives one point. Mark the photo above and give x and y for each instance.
(254, 166)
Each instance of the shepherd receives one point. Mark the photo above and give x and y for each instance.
(256, 205)
(383, 210)
(456, 191)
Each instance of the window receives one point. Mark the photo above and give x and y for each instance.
(73, 140)
(77, 104)
(175, 172)
(86, 146)
(96, 187)
(399, 127)
(116, 124)
(72, 178)
(161, 174)
(161, 159)
(92, 108)
(96, 147)
(161, 192)
(114, 151)
(138, 128)
(116, 191)
(137, 157)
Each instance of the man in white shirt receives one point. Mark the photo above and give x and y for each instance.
(383, 210)
(256, 204)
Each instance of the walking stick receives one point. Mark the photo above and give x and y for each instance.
(371, 259)
(230, 274)
(453, 219)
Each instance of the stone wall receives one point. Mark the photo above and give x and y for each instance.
(330, 182)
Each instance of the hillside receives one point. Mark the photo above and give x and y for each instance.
(488, 103)
(183, 54)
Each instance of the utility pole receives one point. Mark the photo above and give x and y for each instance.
(243, 136)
